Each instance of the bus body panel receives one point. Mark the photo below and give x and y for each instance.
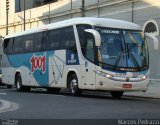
(51, 68)
(118, 86)
(117, 83)
(45, 69)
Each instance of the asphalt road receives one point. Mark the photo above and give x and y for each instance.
(41, 105)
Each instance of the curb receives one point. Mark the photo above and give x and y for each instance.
(4, 105)
(142, 96)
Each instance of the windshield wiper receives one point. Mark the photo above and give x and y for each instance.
(121, 52)
(111, 66)
(117, 59)
(134, 60)
(131, 55)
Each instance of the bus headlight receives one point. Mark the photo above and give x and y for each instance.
(103, 74)
(144, 77)
(108, 76)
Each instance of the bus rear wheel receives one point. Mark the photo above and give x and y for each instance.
(73, 85)
(18, 83)
(19, 86)
(117, 94)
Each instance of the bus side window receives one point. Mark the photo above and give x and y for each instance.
(82, 36)
(7, 45)
(18, 46)
(38, 37)
(28, 41)
(52, 42)
(89, 49)
(68, 41)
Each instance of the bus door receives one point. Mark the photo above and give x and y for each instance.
(90, 75)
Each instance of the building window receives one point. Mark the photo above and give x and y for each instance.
(19, 4)
(151, 26)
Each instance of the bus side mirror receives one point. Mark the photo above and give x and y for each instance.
(155, 40)
(96, 36)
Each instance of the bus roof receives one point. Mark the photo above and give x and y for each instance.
(105, 22)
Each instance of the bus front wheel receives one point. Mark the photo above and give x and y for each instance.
(73, 85)
(117, 94)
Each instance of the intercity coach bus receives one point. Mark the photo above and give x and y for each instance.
(79, 54)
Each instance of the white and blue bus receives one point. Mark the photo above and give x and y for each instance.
(80, 54)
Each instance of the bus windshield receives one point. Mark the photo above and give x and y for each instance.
(123, 49)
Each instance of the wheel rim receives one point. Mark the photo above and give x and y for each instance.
(73, 85)
(18, 84)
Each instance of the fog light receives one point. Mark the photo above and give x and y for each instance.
(101, 83)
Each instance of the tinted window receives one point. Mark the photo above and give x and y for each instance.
(28, 43)
(82, 34)
(86, 41)
(89, 48)
(19, 4)
(68, 40)
(52, 41)
(38, 38)
(8, 46)
(18, 46)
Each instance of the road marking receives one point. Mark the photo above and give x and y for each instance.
(3, 93)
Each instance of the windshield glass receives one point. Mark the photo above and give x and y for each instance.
(123, 49)
(136, 49)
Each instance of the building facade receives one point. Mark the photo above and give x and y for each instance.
(146, 13)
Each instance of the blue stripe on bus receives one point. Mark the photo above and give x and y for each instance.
(40, 73)
(20, 60)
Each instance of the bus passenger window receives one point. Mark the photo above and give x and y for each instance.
(28, 43)
(38, 37)
(68, 41)
(18, 46)
(52, 42)
(8, 45)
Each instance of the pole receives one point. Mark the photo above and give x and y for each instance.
(7, 12)
(71, 9)
(98, 8)
(24, 15)
(49, 20)
(83, 8)
(133, 11)
(6, 22)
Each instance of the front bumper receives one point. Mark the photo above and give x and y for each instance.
(111, 85)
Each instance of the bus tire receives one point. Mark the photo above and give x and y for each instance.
(117, 94)
(73, 85)
(18, 83)
(53, 90)
(9, 86)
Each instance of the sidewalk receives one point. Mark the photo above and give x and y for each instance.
(152, 92)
